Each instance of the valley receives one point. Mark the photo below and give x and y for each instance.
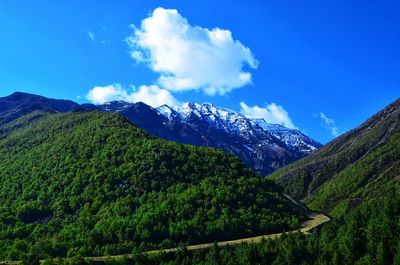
(315, 220)
(199, 132)
(89, 185)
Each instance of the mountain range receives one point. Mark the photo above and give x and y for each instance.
(92, 183)
(85, 180)
(261, 145)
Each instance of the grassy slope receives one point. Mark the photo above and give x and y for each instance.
(361, 164)
(90, 183)
(369, 177)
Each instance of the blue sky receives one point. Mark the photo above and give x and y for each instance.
(324, 65)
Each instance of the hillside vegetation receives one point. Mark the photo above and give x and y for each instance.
(91, 183)
(369, 235)
(361, 165)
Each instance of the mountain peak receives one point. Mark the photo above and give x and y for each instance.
(21, 95)
(264, 148)
(250, 129)
(21, 103)
(167, 111)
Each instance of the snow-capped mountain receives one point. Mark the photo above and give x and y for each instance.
(223, 119)
(263, 146)
(292, 137)
(233, 122)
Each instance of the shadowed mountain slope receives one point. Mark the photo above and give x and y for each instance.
(363, 163)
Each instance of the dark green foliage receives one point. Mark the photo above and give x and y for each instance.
(90, 183)
(369, 235)
(358, 166)
(368, 178)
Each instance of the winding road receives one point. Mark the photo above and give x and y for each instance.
(315, 220)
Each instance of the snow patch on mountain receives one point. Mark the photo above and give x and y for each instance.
(236, 123)
(116, 106)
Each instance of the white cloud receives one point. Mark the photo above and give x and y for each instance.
(151, 95)
(91, 35)
(190, 57)
(154, 96)
(103, 94)
(329, 124)
(271, 113)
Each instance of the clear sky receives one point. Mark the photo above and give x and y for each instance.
(320, 66)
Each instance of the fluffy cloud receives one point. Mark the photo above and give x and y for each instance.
(151, 95)
(190, 57)
(329, 124)
(154, 96)
(271, 113)
(103, 94)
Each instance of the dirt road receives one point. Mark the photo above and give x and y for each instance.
(316, 219)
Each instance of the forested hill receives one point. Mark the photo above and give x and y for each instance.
(261, 145)
(360, 165)
(355, 178)
(92, 183)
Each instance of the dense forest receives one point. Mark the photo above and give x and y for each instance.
(84, 184)
(91, 183)
(369, 235)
